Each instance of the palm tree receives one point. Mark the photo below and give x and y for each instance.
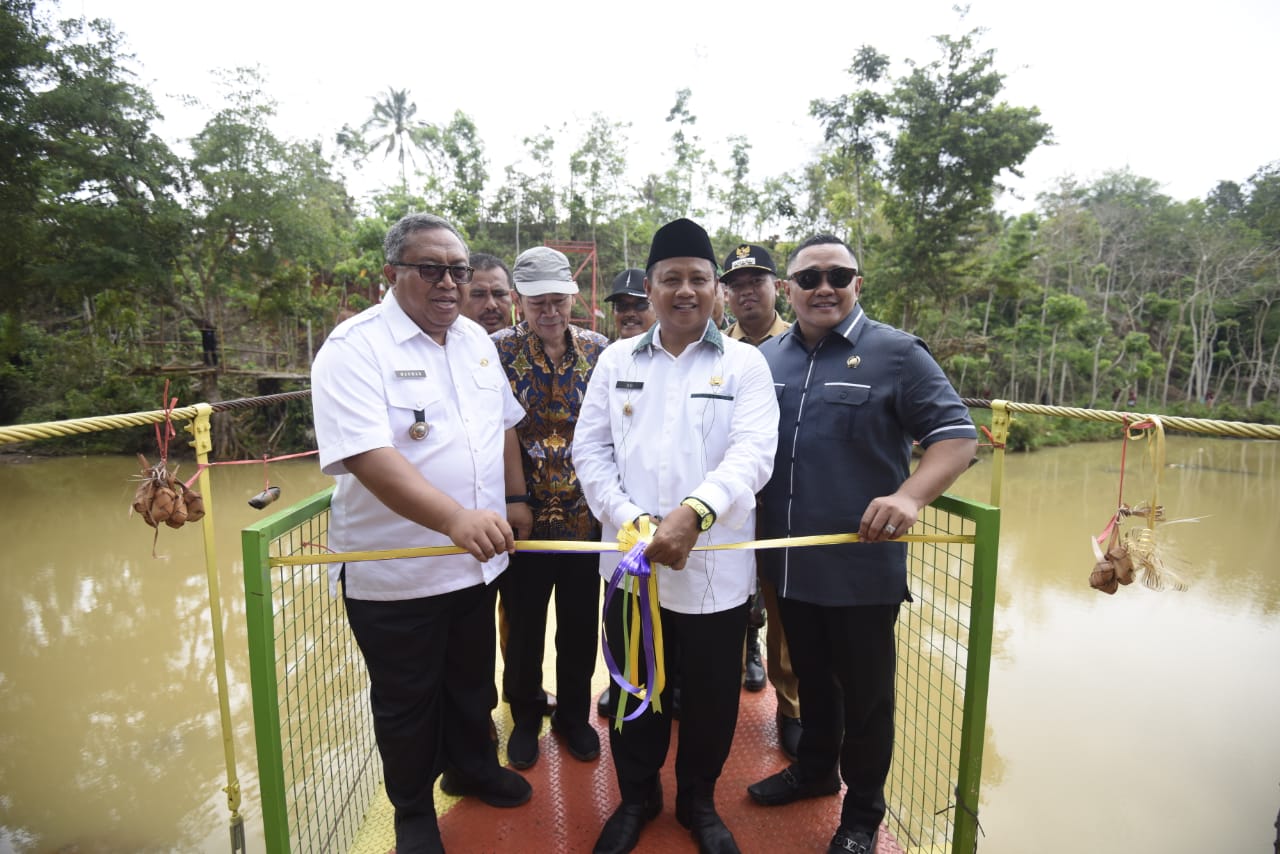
(393, 118)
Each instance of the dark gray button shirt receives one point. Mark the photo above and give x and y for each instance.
(850, 409)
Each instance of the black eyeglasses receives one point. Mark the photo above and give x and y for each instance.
(839, 277)
(624, 306)
(433, 274)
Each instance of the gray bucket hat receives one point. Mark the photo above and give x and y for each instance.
(543, 270)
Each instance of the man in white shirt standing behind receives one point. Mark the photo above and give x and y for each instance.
(680, 424)
(409, 405)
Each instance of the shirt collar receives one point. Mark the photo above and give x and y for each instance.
(711, 336)
(778, 327)
(402, 326)
(571, 333)
(849, 328)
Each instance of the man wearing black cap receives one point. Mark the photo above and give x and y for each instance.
(632, 311)
(751, 281)
(680, 425)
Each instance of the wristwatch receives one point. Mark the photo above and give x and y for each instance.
(706, 516)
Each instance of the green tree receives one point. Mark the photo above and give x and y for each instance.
(954, 139)
(88, 211)
(852, 131)
(459, 171)
(740, 199)
(269, 220)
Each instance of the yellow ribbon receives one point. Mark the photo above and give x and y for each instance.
(579, 546)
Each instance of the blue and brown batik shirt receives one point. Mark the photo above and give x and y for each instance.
(551, 396)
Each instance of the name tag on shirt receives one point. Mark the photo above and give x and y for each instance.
(411, 375)
(629, 384)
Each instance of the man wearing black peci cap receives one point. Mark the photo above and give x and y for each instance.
(632, 315)
(853, 393)
(751, 281)
(680, 425)
(632, 311)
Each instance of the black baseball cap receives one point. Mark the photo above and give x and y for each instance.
(748, 256)
(628, 283)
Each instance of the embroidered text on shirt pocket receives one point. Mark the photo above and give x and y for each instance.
(837, 417)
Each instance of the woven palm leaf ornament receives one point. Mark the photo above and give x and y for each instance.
(1127, 549)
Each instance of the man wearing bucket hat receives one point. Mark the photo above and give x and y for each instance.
(679, 425)
(548, 363)
(632, 311)
(750, 281)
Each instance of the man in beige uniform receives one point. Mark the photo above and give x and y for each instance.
(750, 282)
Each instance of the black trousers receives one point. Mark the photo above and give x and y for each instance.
(430, 664)
(704, 652)
(526, 589)
(845, 659)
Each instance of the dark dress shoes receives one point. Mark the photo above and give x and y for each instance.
(621, 832)
(522, 746)
(705, 826)
(581, 738)
(505, 789)
(853, 842)
(753, 671)
(788, 785)
(789, 730)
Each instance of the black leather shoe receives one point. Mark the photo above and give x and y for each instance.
(789, 730)
(786, 786)
(705, 826)
(505, 789)
(853, 842)
(621, 833)
(522, 746)
(603, 707)
(581, 739)
(753, 677)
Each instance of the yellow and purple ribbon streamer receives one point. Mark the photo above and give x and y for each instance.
(641, 624)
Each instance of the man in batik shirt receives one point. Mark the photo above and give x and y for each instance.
(548, 363)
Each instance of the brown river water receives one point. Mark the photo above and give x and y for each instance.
(1143, 721)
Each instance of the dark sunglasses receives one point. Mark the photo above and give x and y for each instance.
(433, 274)
(624, 306)
(839, 277)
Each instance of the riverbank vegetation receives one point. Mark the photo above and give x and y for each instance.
(220, 262)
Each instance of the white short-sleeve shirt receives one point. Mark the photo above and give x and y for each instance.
(377, 375)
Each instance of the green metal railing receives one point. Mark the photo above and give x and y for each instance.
(944, 667)
(319, 768)
(318, 763)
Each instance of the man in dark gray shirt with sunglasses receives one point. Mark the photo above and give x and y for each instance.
(853, 394)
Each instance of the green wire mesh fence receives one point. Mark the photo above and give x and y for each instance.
(318, 762)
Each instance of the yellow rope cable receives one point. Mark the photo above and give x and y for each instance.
(1209, 426)
(54, 429)
(578, 546)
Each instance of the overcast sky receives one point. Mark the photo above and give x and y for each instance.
(1180, 93)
